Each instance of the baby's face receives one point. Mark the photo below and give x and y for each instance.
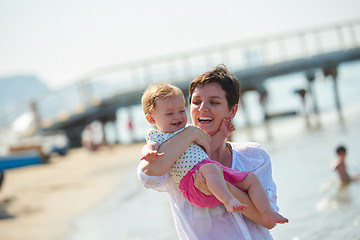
(169, 114)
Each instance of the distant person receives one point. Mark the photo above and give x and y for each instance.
(130, 128)
(340, 167)
(87, 138)
(164, 108)
(93, 136)
(2, 174)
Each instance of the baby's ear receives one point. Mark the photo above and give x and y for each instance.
(150, 119)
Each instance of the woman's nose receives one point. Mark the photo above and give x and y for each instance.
(203, 107)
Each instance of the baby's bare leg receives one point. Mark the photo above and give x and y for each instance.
(259, 197)
(216, 183)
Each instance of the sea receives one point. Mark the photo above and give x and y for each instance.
(301, 147)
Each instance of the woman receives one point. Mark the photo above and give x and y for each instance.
(214, 97)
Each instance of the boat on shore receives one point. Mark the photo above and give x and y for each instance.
(21, 158)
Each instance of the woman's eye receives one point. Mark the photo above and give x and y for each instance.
(196, 102)
(214, 103)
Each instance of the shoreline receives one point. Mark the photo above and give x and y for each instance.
(43, 201)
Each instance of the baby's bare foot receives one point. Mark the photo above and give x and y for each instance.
(235, 206)
(272, 217)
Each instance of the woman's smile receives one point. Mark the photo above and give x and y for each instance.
(205, 119)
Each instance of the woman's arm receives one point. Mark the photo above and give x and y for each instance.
(258, 161)
(173, 148)
(251, 211)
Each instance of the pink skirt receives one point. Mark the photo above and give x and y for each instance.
(195, 196)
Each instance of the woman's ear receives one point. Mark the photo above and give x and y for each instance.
(150, 119)
(233, 111)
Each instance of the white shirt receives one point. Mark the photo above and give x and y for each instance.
(195, 223)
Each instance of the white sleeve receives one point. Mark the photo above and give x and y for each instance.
(264, 173)
(158, 183)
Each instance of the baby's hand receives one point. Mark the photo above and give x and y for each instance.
(226, 127)
(151, 156)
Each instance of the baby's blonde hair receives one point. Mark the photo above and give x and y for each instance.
(158, 91)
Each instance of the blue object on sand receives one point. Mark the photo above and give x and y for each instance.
(20, 159)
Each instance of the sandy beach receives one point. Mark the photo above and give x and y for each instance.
(42, 201)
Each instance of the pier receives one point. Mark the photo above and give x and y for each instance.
(98, 95)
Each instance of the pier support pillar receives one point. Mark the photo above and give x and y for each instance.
(302, 94)
(245, 110)
(263, 100)
(332, 71)
(310, 77)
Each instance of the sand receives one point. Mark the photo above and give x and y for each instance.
(43, 201)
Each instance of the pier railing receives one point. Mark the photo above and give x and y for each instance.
(104, 83)
(268, 50)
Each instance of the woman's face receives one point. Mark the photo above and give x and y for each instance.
(209, 107)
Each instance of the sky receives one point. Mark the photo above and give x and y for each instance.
(61, 41)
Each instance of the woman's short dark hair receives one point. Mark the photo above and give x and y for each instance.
(220, 75)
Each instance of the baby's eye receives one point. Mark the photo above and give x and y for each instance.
(168, 114)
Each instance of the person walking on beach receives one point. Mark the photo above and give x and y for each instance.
(164, 108)
(214, 96)
(1, 177)
(340, 167)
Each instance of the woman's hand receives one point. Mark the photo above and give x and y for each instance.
(219, 138)
(200, 183)
(226, 127)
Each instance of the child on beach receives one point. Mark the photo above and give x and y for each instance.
(340, 167)
(164, 108)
